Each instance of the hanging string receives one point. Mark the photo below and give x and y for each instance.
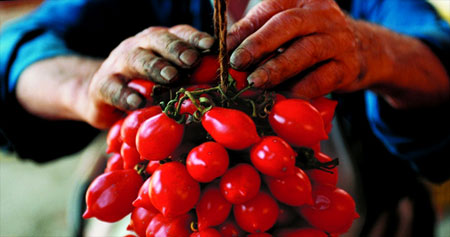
(220, 33)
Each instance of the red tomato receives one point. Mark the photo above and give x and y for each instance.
(232, 128)
(230, 229)
(172, 190)
(212, 208)
(166, 226)
(158, 137)
(152, 166)
(115, 162)
(110, 195)
(321, 177)
(273, 156)
(130, 156)
(187, 107)
(207, 162)
(140, 218)
(259, 235)
(143, 198)
(145, 87)
(206, 72)
(293, 190)
(113, 139)
(303, 232)
(279, 97)
(134, 120)
(297, 122)
(257, 215)
(209, 232)
(333, 210)
(239, 77)
(240, 183)
(326, 109)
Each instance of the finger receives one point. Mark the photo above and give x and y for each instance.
(193, 36)
(144, 63)
(280, 29)
(113, 91)
(169, 46)
(254, 19)
(299, 56)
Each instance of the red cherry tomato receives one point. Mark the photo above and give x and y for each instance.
(158, 137)
(130, 156)
(293, 190)
(140, 218)
(304, 232)
(231, 128)
(110, 195)
(212, 208)
(207, 162)
(257, 215)
(240, 183)
(113, 139)
(172, 190)
(143, 198)
(115, 162)
(167, 226)
(319, 177)
(152, 166)
(134, 120)
(333, 210)
(209, 232)
(239, 77)
(207, 71)
(297, 122)
(145, 87)
(230, 229)
(326, 108)
(273, 156)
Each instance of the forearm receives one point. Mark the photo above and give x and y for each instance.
(55, 88)
(402, 69)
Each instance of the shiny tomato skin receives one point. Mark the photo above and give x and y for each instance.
(207, 71)
(293, 190)
(115, 162)
(134, 120)
(143, 198)
(333, 210)
(304, 232)
(144, 87)
(168, 226)
(326, 108)
(319, 177)
(172, 190)
(109, 197)
(209, 232)
(140, 218)
(130, 156)
(239, 77)
(158, 137)
(231, 128)
(230, 229)
(207, 162)
(212, 209)
(152, 166)
(273, 156)
(258, 214)
(297, 122)
(113, 138)
(240, 183)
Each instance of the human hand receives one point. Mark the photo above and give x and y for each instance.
(152, 54)
(313, 35)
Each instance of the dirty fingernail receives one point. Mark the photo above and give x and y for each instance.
(240, 59)
(189, 57)
(168, 73)
(206, 42)
(134, 101)
(259, 78)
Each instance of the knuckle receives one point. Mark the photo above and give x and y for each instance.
(176, 46)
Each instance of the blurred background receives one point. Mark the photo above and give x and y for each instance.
(40, 199)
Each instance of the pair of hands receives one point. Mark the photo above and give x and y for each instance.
(312, 34)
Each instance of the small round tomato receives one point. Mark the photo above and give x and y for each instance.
(140, 218)
(257, 215)
(143, 198)
(230, 229)
(145, 87)
(207, 71)
(297, 122)
(333, 210)
(152, 166)
(134, 120)
(130, 156)
(240, 183)
(167, 226)
(326, 108)
(212, 209)
(305, 232)
(113, 139)
(158, 137)
(209, 232)
(320, 177)
(115, 162)
(172, 190)
(231, 128)
(207, 162)
(109, 197)
(273, 156)
(293, 190)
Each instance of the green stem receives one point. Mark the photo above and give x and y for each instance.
(242, 91)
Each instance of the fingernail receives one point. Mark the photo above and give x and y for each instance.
(240, 59)
(259, 78)
(168, 73)
(189, 57)
(206, 42)
(134, 101)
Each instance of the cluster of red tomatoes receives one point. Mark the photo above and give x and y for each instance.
(222, 176)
